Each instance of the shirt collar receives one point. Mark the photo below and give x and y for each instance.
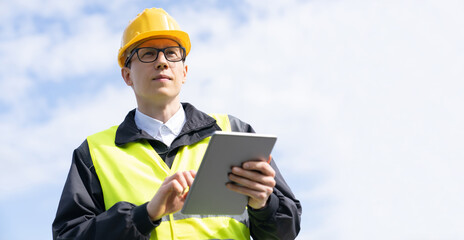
(152, 126)
(196, 121)
(177, 121)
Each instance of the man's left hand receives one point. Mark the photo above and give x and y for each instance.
(254, 179)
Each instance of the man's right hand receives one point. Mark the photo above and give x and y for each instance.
(171, 195)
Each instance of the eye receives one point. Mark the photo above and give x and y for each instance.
(171, 52)
(147, 54)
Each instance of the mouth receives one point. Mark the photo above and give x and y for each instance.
(162, 78)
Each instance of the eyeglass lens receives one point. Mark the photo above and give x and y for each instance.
(148, 54)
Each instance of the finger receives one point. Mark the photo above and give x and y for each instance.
(261, 196)
(193, 173)
(175, 187)
(246, 174)
(181, 178)
(189, 176)
(254, 176)
(260, 166)
(259, 184)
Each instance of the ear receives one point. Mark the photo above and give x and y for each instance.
(185, 73)
(125, 73)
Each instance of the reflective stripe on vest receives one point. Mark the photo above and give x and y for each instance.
(134, 172)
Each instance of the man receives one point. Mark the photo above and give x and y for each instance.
(130, 181)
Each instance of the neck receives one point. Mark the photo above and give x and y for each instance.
(161, 112)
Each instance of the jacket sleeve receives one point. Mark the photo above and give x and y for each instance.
(81, 212)
(280, 219)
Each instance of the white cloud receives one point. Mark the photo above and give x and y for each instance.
(53, 44)
(37, 153)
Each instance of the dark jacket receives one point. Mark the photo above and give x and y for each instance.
(81, 212)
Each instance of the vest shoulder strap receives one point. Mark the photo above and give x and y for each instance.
(222, 121)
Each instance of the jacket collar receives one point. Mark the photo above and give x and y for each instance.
(198, 126)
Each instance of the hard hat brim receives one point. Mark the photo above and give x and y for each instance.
(179, 36)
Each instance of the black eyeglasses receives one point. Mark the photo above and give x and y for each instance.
(149, 54)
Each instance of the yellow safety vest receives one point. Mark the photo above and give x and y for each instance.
(134, 172)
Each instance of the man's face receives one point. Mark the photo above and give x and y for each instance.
(157, 82)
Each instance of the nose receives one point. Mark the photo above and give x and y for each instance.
(161, 61)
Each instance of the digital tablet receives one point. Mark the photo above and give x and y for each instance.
(208, 193)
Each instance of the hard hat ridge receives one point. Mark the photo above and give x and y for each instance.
(149, 24)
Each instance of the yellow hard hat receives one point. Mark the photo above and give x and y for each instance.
(151, 23)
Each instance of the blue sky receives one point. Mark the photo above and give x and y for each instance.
(365, 97)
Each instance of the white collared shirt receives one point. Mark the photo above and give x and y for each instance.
(165, 133)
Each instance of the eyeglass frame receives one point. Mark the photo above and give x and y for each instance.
(136, 50)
